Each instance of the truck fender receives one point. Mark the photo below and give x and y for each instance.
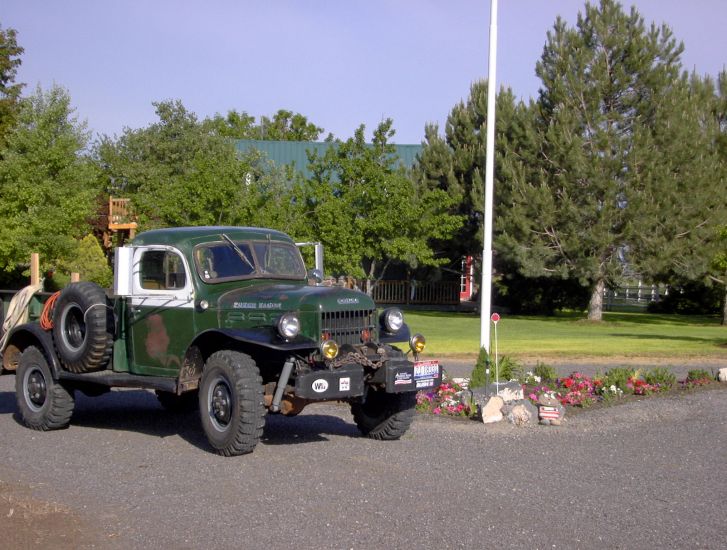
(263, 337)
(30, 334)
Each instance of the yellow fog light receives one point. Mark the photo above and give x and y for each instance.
(417, 343)
(329, 349)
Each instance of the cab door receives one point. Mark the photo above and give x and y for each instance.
(161, 311)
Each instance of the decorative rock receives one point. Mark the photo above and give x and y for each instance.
(722, 375)
(480, 396)
(513, 391)
(522, 413)
(492, 411)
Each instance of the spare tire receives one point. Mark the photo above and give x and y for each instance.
(83, 327)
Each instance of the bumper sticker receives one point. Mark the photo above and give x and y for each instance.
(344, 384)
(426, 369)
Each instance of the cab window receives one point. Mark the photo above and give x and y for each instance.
(162, 270)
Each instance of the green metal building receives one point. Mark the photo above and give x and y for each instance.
(293, 153)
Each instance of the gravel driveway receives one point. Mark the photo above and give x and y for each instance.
(648, 474)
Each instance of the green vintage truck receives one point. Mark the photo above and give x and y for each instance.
(227, 320)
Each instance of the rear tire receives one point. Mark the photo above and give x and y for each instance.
(384, 416)
(44, 403)
(231, 403)
(83, 327)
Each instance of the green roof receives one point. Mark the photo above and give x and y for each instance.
(295, 152)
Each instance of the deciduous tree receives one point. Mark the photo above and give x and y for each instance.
(47, 185)
(10, 60)
(365, 209)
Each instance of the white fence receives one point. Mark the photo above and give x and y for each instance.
(635, 296)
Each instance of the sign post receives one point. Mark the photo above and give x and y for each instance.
(495, 318)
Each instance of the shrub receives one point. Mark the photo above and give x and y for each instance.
(478, 376)
(545, 372)
(698, 377)
(508, 369)
(661, 377)
(619, 377)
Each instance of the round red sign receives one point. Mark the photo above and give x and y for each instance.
(495, 317)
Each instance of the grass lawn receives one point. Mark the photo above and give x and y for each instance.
(570, 335)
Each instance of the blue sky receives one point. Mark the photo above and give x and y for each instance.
(339, 62)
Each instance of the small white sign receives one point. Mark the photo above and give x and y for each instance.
(320, 385)
(344, 384)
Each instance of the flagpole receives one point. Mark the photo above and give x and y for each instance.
(486, 287)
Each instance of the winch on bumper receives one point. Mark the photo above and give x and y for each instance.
(394, 375)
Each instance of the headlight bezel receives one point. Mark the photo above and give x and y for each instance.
(392, 320)
(329, 349)
(417, 343)
(289, 325)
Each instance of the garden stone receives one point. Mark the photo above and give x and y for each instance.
(512, 391)
(492, 411)
(480, 396)
(522, 413)
(722, 375)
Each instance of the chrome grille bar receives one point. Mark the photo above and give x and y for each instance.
(345, 327)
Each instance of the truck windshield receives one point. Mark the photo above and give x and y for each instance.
(221, 261)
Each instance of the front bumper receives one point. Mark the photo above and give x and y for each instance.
(347, 381)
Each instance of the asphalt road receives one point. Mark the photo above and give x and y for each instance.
(648, 474)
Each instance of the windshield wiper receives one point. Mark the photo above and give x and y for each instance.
(238, 250)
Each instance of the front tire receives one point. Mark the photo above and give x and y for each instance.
(384, 416)
(231, 403)
(44, 403)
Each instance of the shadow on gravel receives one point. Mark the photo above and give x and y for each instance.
(306, 428)
(7, 402)
(139, 411)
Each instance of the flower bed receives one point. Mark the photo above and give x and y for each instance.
(575, 391)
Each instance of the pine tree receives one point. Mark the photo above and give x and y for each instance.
(581, 203)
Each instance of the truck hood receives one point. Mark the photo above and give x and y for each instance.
(286, 297)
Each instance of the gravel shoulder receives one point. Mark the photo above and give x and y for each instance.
(127, 474)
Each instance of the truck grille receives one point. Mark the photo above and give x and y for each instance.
(345, 327)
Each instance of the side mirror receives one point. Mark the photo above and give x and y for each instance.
(315, 275)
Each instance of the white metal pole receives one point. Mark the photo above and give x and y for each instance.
(486, 288)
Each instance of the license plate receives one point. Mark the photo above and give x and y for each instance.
(426, 369)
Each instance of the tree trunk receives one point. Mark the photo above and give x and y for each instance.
(595, 306)
(724, 306)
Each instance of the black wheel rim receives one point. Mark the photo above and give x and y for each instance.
(73, 327)
(36, 390)
(219, 399)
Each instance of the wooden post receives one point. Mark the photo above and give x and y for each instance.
(35, 268)
(75, 277)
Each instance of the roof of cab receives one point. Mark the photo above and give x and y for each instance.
(191, 236)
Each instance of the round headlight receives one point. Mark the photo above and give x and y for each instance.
(329, 349)
(417, 343)
(393, 319)
(289, 326)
